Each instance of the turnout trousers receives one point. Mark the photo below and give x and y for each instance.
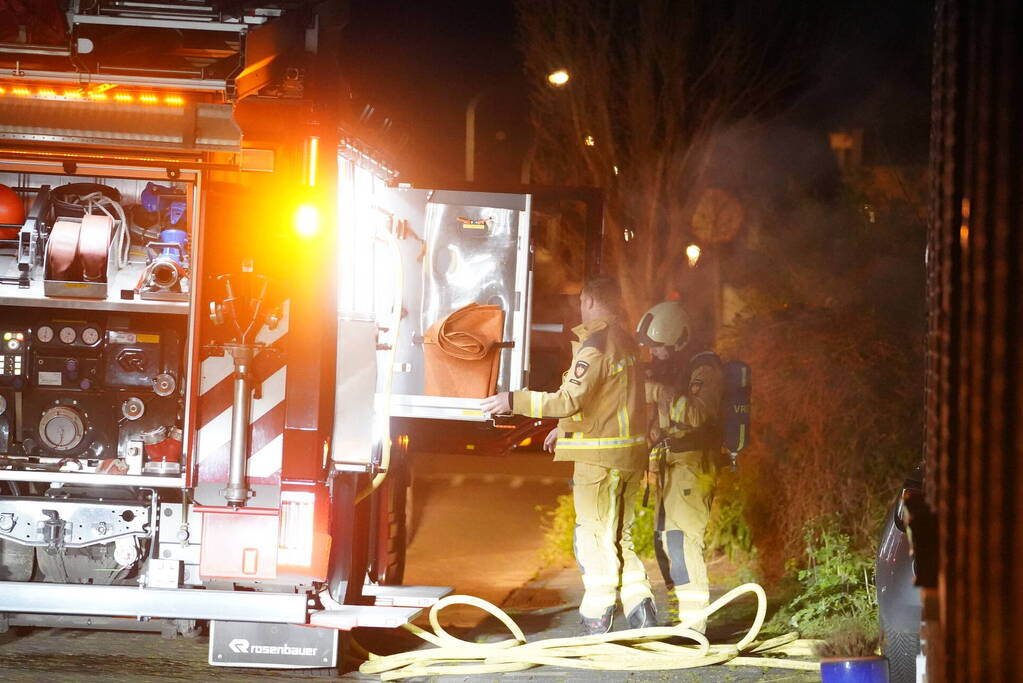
(605, 507)
(683, 512)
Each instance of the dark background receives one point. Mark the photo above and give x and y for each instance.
(420, 63)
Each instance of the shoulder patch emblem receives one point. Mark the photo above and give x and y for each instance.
(581, 367)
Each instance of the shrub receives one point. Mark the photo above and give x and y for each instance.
(832, 326)
(558, 525)
(728, 531)
(836, 585)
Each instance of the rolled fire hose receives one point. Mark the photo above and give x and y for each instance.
(640, 649)
(94, 247)
(385, 396)
(110, 207)
(62, 248)
(85, 243)
(460, 343)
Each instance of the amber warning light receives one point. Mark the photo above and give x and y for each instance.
(94, 94)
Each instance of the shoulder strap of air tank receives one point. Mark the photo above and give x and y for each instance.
(708, 358)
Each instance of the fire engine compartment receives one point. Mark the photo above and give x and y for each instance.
(95, 372)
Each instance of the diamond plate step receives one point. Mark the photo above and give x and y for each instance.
(406, 596)
(347, 617)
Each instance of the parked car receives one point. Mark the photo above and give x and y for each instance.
(898, 597)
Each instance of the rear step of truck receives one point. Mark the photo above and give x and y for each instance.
(406, 596)
(347, 617)
(394, 606)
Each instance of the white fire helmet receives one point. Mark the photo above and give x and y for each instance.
(666, 324)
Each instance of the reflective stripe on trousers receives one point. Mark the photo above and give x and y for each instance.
(605, 501)
(682, 514)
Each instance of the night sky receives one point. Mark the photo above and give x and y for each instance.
(420, 63)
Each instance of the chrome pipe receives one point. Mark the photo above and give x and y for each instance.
(237, 492)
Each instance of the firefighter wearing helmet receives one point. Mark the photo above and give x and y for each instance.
(685, 399)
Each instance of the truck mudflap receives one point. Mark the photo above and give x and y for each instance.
(276, 646)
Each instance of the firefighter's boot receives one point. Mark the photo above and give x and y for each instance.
(644, 615)
(599, 625)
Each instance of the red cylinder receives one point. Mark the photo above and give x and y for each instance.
(12, 212)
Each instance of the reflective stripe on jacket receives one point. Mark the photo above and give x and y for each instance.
(600, 402)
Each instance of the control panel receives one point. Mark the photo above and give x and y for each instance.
(12, 354)
(88, 388)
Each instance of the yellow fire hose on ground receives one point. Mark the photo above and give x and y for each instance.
(632, 650)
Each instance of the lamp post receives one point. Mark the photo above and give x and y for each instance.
(470, 133)
(557, 79)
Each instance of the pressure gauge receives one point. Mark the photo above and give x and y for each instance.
(68, 335)
(45, 334)
(90, 335)
(61, 428)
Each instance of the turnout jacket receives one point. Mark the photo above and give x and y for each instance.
(691, 419)
(600, 403)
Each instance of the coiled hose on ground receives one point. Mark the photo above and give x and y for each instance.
(632, 650)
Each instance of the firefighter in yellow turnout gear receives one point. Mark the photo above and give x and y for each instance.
(602, 429)
(688, 401)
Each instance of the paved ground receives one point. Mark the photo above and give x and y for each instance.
(477, 527)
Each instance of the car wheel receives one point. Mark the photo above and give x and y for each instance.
(901, 649)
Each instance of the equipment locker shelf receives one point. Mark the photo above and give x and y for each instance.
(126, 279)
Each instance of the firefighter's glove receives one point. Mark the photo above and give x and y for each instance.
(498, 404)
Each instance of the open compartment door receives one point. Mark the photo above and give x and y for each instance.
(446, 252)
(474, 296)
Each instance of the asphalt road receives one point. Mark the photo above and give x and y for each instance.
(476, 526)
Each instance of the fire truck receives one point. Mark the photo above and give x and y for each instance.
(217, 312)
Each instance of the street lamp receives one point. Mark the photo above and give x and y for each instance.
(470, 130)
(693, 252)
(558, 78)
(555, 79)
(470, 133)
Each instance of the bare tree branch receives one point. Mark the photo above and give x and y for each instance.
(652, 82)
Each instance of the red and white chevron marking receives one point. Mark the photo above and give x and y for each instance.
(266, 435)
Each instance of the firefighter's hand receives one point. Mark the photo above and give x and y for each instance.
(498, 404)
(551, 441)
(655, 436)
